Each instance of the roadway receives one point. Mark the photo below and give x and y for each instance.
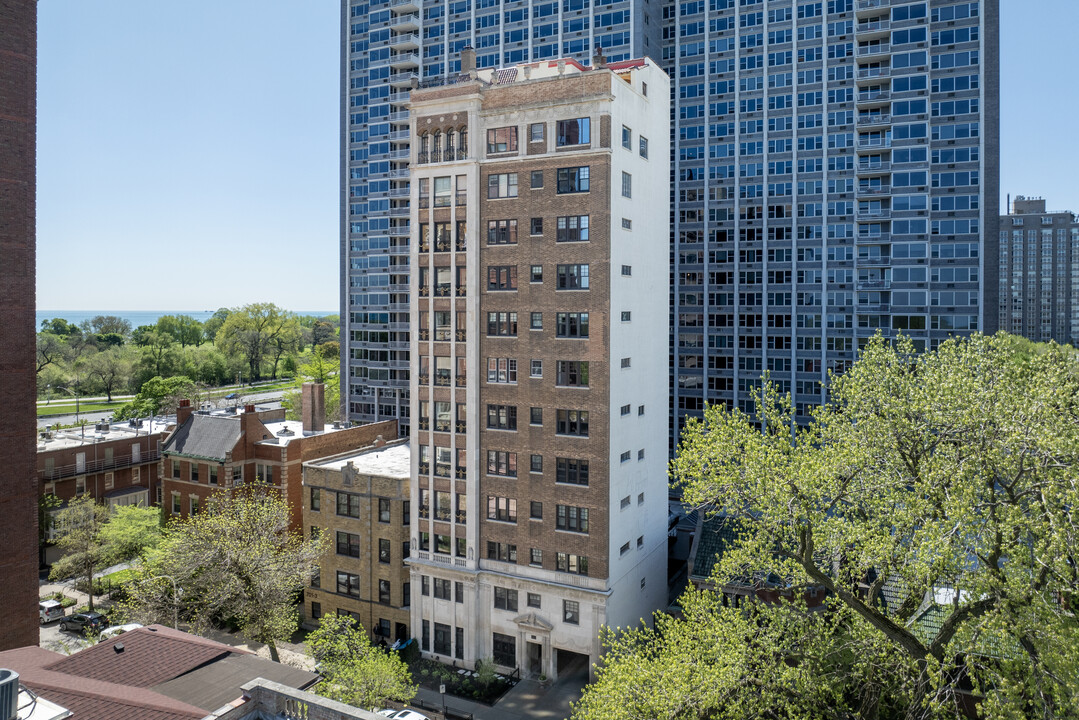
(271, 400)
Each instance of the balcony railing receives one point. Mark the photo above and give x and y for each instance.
(874, 49)
(881, 189)
(870, 73)
(874, 119)
(97, 466)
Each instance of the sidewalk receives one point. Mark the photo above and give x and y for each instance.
(527, 700)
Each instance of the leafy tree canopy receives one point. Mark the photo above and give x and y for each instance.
(353, 670)
(932, 499)
(156, 396)
(235, 561)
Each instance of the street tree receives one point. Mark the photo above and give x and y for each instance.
(156, 396)
(131, 531)
(78, 527)
(211, 326)
(256, 332)
(932, 500)
(353, 670)
(111, 368)
(235, 560)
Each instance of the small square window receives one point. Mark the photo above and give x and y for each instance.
(535, 416)
(536, 369)
(627, 270)
(536, 226)
(533, 600)
(626, 456)
(626, 316)
(536, 321)
(640, 541)
(625, 409)
(537, 274)
(640, 410)
(627, 185)
(644, 146)
(627, 138)
(535, 510)
(536, 465)
(640, 499)
(627, 224)
(625, 503)
(642, 583)
(644, 89)
(535, 132)
(537, 179)
(571, 612)
(640, 454)
(624, 549)
(625, 362)
(535, 557)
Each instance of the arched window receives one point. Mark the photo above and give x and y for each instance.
(423, 149)
(436, 146)
(462, 143)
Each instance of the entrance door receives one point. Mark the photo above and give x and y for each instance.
(535, 658)
(80, 462)
(401, 632)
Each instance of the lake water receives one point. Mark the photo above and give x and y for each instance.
(143, 317)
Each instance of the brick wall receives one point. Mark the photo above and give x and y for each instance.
(18, 484)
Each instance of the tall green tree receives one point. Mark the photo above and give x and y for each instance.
(258, 332)
(131, 531)
(933, 499)
(353, 670)
(111, 368)
(157, 395)
(183, 329)
(109, 324)
(236, 560)
(78, 528)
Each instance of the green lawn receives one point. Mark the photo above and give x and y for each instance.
(66, 408)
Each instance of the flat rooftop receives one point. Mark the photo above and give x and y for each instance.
(93, 434)
(393, 461)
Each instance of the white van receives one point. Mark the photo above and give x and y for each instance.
(49, 610)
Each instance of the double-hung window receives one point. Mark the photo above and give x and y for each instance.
(501, 232)
(572, 277)
(571, 180)
(502, 185)
(574, 132)
(572, 228)
(500, 140)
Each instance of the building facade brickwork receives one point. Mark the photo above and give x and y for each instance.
(539, 416)
(18, 390)
(359, 500)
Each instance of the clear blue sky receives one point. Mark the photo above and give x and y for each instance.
(188, 152)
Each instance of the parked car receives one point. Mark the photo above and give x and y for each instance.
(50, 610)
(85, 622)
(117, 630)
(403, 714)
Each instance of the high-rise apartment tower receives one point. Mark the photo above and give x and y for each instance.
(539, 366)
(1039, 272)
(834, 174)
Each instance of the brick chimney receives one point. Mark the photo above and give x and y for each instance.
(468, 61)
(183, 412)
(249, 408)
(313, 410)
(598, 61)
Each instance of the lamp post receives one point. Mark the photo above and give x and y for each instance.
(175, 600)
(76, 396)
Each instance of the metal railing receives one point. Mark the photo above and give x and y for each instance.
(97, 466)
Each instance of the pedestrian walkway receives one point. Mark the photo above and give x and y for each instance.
(526, 701)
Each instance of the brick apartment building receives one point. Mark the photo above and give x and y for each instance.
(360, 501)
(209, 451)
(18, 391)
(117, 463)
(539, 356)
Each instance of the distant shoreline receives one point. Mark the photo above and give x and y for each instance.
(144, 317)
